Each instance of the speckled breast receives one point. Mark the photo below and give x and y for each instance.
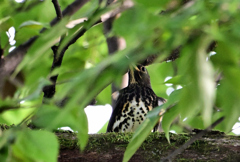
(137, 103)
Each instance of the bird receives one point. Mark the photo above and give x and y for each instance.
(134, 102)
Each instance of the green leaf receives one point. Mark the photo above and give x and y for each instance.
(6, 138)
(142, 132)
(23, 34)
(138, 22)
(52, 117)
(176, 80)
(206, 82)
(81, 127)
(46, 117)
(153, 4)
(229, 106)
(168, 118)
(34, 25)
(42, 44)
(6, 23)
(104, 128)
(35, 145)
(199, 93)
(171, 113)
(104, 96)
(4, 40)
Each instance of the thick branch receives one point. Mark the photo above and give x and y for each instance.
(113, 46)
(171, 156)
(214, 146)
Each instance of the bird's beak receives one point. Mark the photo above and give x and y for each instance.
(131, 73)
(136, 68)
(133, 66)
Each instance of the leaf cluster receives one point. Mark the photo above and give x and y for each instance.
(205, 81)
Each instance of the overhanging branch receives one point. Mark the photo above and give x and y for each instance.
(12, 60)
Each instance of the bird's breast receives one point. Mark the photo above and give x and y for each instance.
(132, 115)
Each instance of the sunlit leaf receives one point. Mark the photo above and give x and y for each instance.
(81, 127)
(199, 93)
(206, 83)
(33, 25)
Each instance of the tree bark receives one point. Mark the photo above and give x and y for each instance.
(214, 146)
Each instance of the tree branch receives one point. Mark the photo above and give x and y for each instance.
(193, 139)
(57, 9)
(49, 90)
(111, 146)
(12, 60)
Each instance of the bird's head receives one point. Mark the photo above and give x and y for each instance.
(139, 75)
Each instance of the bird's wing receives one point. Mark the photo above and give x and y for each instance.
(158, 126)
(161, 101)
(117, 110)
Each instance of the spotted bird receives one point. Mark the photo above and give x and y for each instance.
(134, 102)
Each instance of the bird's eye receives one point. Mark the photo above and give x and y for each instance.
(143, 69)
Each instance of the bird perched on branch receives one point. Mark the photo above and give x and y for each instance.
(134, 102)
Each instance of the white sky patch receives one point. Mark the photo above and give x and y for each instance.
(179, 87)
(212, 53)
(169, 90)
(11, 35)
(184, 119)
(97, 117)
(166, 79)
(19, 1)
(66, 128)
(173, 131)
(21, 102)
(12, 48)
(236, 129)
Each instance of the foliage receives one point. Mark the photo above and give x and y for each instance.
(87, 69)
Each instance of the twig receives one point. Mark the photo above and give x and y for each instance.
(219, 77)
(49, 90)
(11, 61)
(57, 9)
(193, 139)
(1, 55)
